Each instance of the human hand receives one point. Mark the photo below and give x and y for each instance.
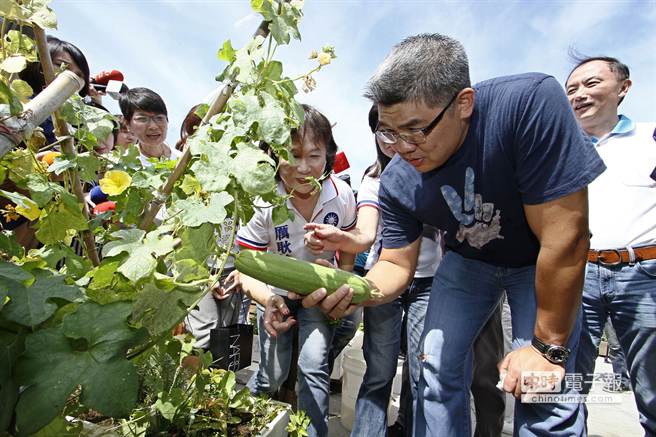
(233, 281)
(525, 360)
(321, 237)
(276, 316)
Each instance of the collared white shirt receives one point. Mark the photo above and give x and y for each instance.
(335, 206)
(623, 198)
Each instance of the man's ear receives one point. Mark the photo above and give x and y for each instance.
(465, 103)
(624, 89)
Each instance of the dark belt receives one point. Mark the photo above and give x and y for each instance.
(613, 257)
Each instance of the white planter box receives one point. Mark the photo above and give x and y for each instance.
(278, 426)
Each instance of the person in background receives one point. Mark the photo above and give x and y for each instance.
(188, 127)
(620, 281)
(313, 149)
(147, 119)
(123, 137)
(389, 326)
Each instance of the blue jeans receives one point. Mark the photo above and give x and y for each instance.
(382, 343)
(626, 293)
(464, 295)
(314, 337)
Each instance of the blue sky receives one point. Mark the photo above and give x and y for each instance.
(170, 47)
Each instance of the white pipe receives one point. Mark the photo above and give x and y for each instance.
(14, 129)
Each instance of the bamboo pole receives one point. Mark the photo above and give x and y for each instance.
(12, 130)
(68, 146)
(217, 106)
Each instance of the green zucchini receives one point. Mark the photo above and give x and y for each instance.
(298, 276)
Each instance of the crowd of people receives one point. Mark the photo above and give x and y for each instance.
(517, 188)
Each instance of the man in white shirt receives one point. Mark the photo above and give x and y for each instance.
(621, 272)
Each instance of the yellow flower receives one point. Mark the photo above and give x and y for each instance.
(115, 182)
(313, 54)
(324, 58)
(30, 211)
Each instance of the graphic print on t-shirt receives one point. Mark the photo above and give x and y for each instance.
(470, 210)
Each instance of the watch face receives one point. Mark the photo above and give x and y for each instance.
(557, 355)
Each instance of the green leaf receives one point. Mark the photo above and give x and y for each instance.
(15, 273)
(22, 90)
(283, 24)
(87, 350)
(198, 243)
(161, 305)
(227, 53)
(246, 58)
(189, 185)
(143, 252)
(193, 211)
(10, 345)
(41, 189)
(281, 214)
(187, 270)
(270, 117)
(44, 17)
(61, 164)
(88, 166)
(30, 306)
(9, 97)
(254, 170)
(60, 427)
(213, 174)
(57, 218)
(14, 64)
(9, 245)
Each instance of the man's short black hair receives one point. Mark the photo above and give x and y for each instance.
(141, 99)
(620, 69)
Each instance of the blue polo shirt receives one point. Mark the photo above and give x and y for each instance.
(523, 147)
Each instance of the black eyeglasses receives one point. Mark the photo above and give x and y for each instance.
(415, 137)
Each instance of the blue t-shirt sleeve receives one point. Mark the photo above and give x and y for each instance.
(400, 227)
(553, 156)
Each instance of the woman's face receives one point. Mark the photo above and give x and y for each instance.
(125, 138)
(105, 146)
(309, 161)
(149, 128)
(62, 57)
(385, 148)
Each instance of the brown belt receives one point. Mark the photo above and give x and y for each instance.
(613, 257)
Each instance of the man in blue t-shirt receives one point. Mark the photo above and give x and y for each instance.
(502, 168)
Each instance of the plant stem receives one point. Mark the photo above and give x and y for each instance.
(68, 145)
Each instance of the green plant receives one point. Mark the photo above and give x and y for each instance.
(75, 329)
(298, 424)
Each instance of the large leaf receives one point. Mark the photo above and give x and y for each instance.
(269, 116)
(213, 174)
(197, 243)
(32, 305)
(193, 211)
(88, 350)
(282, 17)
(59, 217)
(254, 170)
(142, 252)
(162, 304)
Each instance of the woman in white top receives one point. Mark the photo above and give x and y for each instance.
(147, 118)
